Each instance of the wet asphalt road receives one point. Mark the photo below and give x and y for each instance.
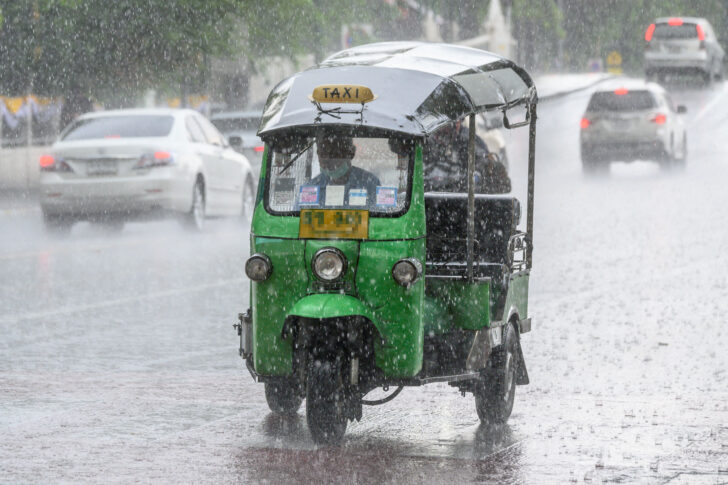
(118, 361)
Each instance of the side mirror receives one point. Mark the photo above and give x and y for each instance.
(236, 142)
(682, 109)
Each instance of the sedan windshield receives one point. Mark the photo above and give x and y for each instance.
(355, 173)
(132, 126)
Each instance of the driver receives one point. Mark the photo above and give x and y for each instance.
(446, 163)
(335, 155)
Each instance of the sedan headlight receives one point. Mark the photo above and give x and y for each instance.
(258, 267)
(328, 264)
(407, 271)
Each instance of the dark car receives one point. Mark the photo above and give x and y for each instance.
(240, 128)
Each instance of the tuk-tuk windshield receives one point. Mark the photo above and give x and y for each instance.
(338, 173)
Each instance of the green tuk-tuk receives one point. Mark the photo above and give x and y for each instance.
(362, 276)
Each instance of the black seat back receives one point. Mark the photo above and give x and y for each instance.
(496, 220)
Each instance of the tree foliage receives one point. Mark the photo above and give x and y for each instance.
(126, 45)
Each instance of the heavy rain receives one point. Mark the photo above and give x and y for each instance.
(478, 242)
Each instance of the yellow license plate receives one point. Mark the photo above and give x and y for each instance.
(334, 224)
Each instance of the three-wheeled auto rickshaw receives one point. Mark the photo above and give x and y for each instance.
(363, 276)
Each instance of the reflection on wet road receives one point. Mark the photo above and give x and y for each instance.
(118, 360)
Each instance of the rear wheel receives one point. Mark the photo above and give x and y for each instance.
(57, 224)
(594, 168)
(325, 402)
(282, 398)
(495, 392)
(111, 226)
(195, 218)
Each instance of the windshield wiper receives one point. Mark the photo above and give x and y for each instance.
(298, 155)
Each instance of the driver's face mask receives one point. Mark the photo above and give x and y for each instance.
(334, 168)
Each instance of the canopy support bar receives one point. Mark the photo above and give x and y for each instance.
(531, 178)
(471, 196)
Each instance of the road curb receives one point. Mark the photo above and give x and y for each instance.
(566, 92)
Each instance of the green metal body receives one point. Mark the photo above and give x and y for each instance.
(466, 304)
(402, 316)
(368, 287)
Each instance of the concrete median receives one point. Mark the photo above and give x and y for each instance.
(19, 169)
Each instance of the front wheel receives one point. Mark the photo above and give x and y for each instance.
(248, 200)
(282, 398)
(496, 392)
(325, 402)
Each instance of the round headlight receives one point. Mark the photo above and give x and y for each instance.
(328, 264)
(258, 267)
(406, 271)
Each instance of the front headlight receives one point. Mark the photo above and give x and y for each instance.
(328, 264)
(407, 271)
(258, 267)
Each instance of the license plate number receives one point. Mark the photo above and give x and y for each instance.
(101, 167)
(334, 224)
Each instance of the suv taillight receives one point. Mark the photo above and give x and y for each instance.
(659, 119)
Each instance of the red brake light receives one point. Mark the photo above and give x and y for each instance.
(621, 91)
(650, 31)
(259, 149)
(585, 123)
(701, 32)
(47, 161)
(659, 119)
(162, 155)
(675, 22)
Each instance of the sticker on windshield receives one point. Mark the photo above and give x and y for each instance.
(357, 197)
(387, 196)
(308, 195)
(335, 195)
(283, 191)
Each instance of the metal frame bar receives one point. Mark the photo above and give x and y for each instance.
(471, 196)
(531, 182)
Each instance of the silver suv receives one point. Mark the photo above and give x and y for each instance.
(635, 121)
(682, 44)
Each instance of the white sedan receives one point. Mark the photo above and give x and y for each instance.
(112, 166)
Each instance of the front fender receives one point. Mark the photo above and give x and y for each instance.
(329, 305)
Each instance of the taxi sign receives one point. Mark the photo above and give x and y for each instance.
(334, 224)
(342, 93)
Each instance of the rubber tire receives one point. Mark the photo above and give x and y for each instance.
(57, 224)
(680, 162)
(114, 226)
(194, 220)
(325, 402)
(592, 168)
(495, 393)
(248, 201)
(282, 398)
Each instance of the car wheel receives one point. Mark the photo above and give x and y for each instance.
(325, 404)
(57, 224)
(248, 200)
(282, 398)
(594, 168)
(495, 392)
(112, 226)
(680, 161)
(195, 218)
(707, 78)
